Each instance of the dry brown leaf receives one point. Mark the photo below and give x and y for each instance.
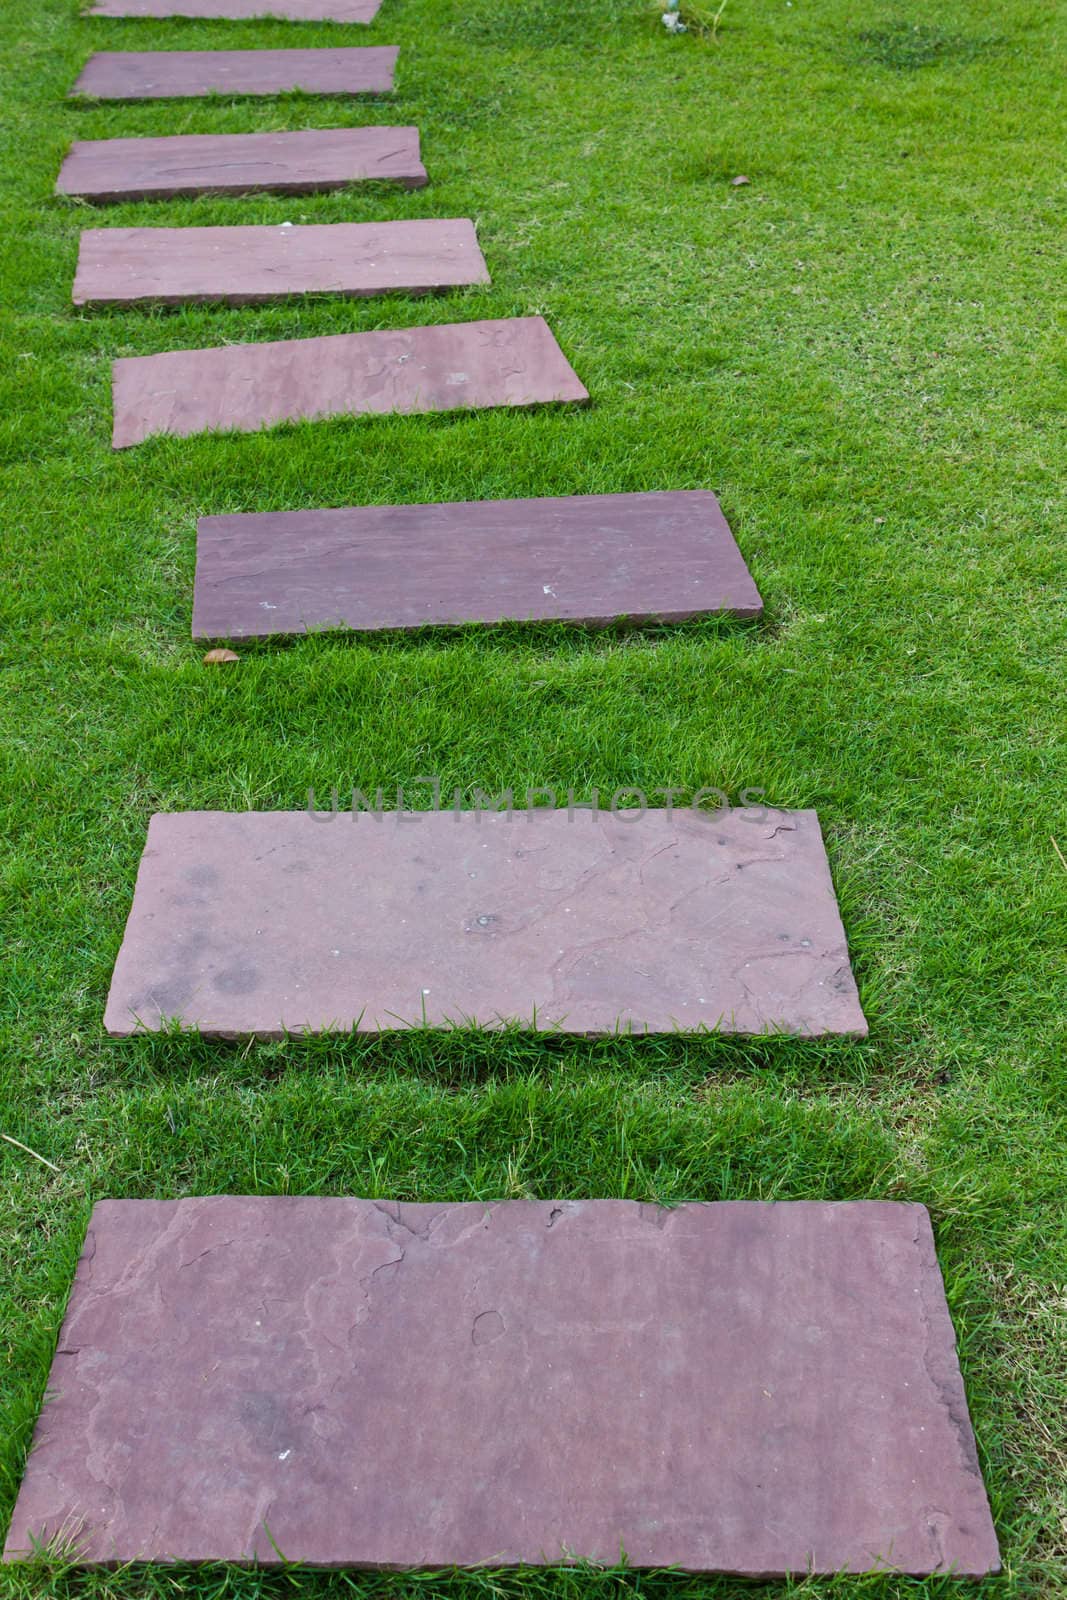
(214, 656)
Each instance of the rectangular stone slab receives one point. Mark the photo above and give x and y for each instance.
(174, 74)
(187, 164)
(741, 1387)
(247, 923)
(582, 558)
(240, 10)
(247, 265)
(451, 367)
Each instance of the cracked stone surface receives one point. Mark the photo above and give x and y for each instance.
(167, 74)
(247, 265)
(239, 10)
(583, 558)
(311, 160)
(265, 922)
(450, 367)
(736, 1387)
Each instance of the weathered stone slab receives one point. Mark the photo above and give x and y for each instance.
(246, 265)
(240, 10)
(582, 558)
(187, 164)
(179, 74)
(739, 1387)
(248, 923)
(451, 367)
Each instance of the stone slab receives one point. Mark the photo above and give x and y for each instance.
(249, 265)
(263, 923)
(241, 10)
(450, 367)
(180, 74)
(311, 160)
(584, 558)
(740, 1387)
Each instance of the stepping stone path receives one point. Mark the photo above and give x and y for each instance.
(174, 74)
(745, 1388)
(740, 1387)
(260, 924)
(240, 266)
(241, 10)
(585, 558)
(182, 165)
(466, 365)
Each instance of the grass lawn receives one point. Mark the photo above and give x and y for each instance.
(856, 353)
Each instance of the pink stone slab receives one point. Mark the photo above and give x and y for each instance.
(242, 266)
(451, 367)
(239, 10)
(173, 74)
(583, 558)
(742, 1387)
(247, 923)
(187, 164)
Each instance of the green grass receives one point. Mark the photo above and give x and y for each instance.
(859, 353)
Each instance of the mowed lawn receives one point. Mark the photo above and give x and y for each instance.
(858, 351)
